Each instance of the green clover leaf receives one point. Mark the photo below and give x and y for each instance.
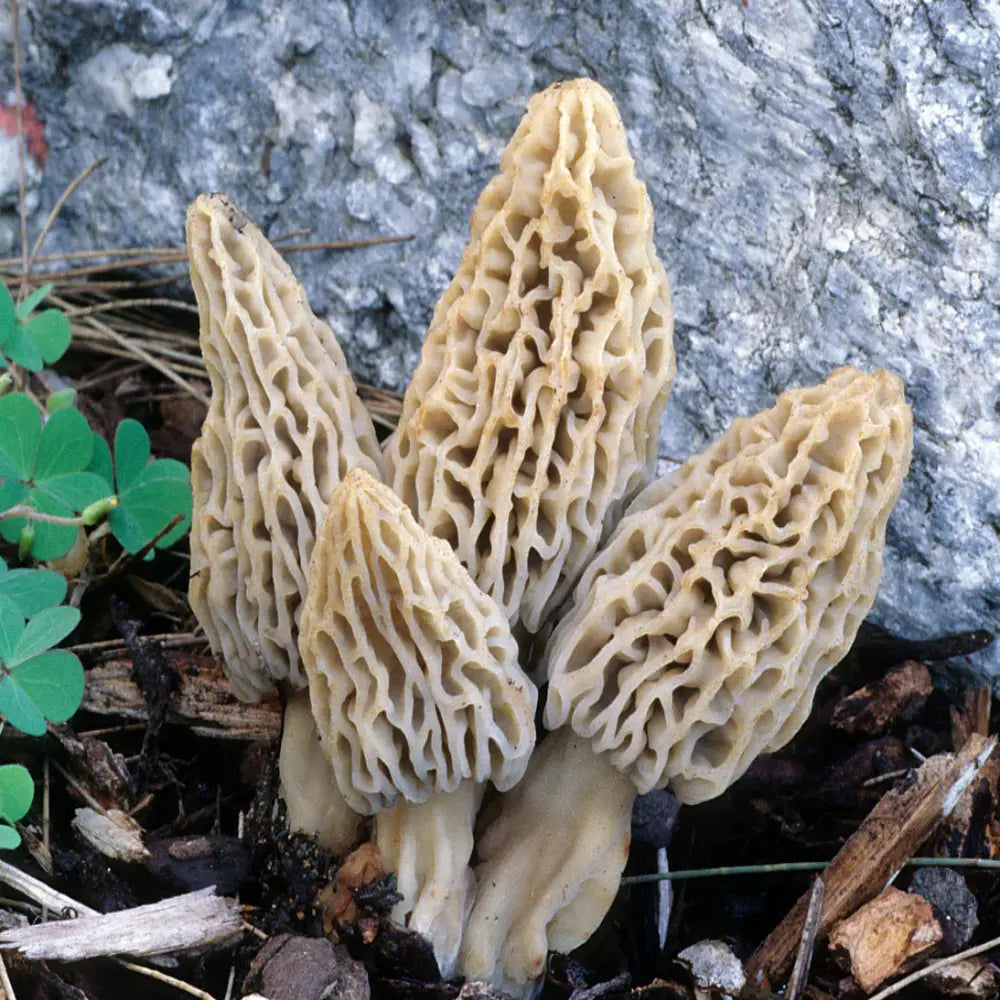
(150, 494)
(31, 341)
(38, 683)
(45, 467)
(16, 792)
(31, 590)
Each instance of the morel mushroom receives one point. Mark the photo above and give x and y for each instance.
(417, 695)
(284, 425)
(533, 416)
(696, 641)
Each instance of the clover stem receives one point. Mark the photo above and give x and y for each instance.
(30, 514)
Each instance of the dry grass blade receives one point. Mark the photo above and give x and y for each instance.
(19, 100)
(56, 209)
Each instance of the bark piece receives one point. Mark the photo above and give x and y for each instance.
(181, 923)
(969, 979)
(890, 834)
(885, 936)
(972, 830)
(714, 968)
(899, 696)
(973, 716)
(290, 967)
(203, 701)
(113, 833)
(100, 770)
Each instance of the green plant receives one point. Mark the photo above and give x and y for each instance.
(37, 683)
(148, 495)
(43, 469)
(31, 341)
(57, 475)
(16, 792)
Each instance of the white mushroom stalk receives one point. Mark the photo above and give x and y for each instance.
(284, 425)
(696, 641)
(416, 692)
(312, 800)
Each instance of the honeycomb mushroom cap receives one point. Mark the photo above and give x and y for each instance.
(533, 415)
(731, 587)
(413, 671)
(284, 425)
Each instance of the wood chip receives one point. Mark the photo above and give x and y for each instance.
(290, 967)
(714, 968)
(113, 833)
(195, 920)
(901, 821)
(969, 979)
(203, 700)
(100, 770)
(973, 717)
(897, 697)
(884, 937)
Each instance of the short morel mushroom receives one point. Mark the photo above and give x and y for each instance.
(284, 426)
(417, 694)
(533, 416)
(695, 642)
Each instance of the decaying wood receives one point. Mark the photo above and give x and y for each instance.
(112, 833)
(293, 966)
(203, 700)
(39, 892)
(885, 936)
(899, 696)
(800, 971)
(102, 772)
(973, 717)
(969, 979)
(900, 822)
(714, 968)
(181, 923)
(929, 971)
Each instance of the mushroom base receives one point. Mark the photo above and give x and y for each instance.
(550, 860)
(428, 846)
(312, 799)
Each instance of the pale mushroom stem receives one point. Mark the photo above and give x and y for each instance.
(428, 846)
(549, 864)
(312, 799)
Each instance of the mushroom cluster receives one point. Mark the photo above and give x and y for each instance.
(507, 537)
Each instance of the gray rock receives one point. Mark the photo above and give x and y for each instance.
(826, 180)
(953, 902)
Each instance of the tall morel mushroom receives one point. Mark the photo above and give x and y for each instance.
(284, 426)
(533, 415)
(695, 642)
(417, 694)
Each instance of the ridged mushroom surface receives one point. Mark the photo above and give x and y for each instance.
(533, 415)
(413, 671)
(285, 424)
(699, 634)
